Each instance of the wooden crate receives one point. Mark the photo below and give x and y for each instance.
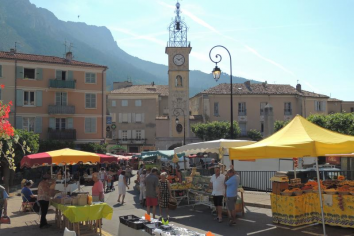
(278, 187)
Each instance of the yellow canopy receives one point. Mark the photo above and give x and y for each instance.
(300, 138)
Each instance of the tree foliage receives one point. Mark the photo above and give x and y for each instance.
(254, 135)
(215, 130)
(30, 139)
(339, 122)
(279, 124)
(94, 147)
(51, 145)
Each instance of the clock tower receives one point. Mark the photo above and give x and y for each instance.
(178, 50)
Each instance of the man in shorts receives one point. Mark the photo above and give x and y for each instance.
(152, 190)
(232, 184)
(218, 185)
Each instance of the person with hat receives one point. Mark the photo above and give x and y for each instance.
(164, 193)
(218, 185)
(28, 194)
(43, 199)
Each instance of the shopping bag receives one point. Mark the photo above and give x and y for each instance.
(172, 204)
(5, 220)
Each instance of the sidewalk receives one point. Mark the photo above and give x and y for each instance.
(257, 199)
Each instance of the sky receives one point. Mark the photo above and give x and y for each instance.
(310, 42)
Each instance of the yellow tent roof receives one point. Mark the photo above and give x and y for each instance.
(300, 138)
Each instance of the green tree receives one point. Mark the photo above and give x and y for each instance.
(51, 145)
(215, 130)
(318, 119)
(339, 122)
(94, 147)
(254, 135)
(116, 148)
(279, 124)
(30, 139)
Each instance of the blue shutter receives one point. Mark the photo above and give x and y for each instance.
(19, 97)
(93, 125)
(39, 74)
(70, 123)
(58, 74)
(52, 123)
(19, 72)
(38, 125)
(70, 75)
(0, 70)
(38, 98)
(18, 122)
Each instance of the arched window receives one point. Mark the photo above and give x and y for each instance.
(179, 81)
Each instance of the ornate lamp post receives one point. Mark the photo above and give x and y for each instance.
(216, 74)
(177, 112)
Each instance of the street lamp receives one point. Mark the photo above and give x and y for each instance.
(177, 112)
(216, 74)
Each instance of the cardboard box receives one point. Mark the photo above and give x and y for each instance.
(278, 187)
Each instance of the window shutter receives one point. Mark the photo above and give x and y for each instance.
(64, 99)
(0, 70)
(120, 117)
(38, 125)
(113, 103)
(52, 123)
(93, 101)
(87, 125)
(19, 97)
(39, 74)
(143, 117)
(113, 117)
(133, 135)
(18, 122)
(129, 118)
(133, 116)
(70, 123)
(87, 78)
(58, 74)
(315, 105)
(142, 134)
(38, 98)
(70, 75)
(120, 134)
(19, 72)
(323, 105)
(129, 134)
(93, 125)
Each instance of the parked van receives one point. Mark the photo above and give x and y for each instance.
(325, 171)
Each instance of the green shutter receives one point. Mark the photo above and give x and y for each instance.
(18, 122)
(38, 125)
(52, 123)
(93, 125)
(87, 77)
(70, 123)
(64, 99)
(58, 74)
(58, 98)
(70, 75)
(19, 97)
(19, 72)
(39, 74)
(38, 98)
(0, 70)
(87, 125)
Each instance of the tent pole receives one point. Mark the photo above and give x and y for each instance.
(320, 199)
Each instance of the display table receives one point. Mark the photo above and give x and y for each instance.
(125, 230)
(70, 187)
(75, 216)
(305, 209)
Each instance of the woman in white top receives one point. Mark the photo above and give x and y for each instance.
(142, 187)
(122, 184)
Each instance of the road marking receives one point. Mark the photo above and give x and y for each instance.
(282, 227)
(104, 233)
(306, 232)
(260, 231)
(305, 226)
(182, 217)
(247, 220)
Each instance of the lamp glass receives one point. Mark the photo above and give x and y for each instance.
(177, 120)
(216, 73)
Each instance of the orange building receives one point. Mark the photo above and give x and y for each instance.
(58, 98)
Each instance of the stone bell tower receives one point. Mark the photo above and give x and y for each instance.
(178, 50)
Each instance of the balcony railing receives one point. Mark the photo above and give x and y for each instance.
(62, 134)
(57, 109)
(56, 83)
(242, 113)
(132, 141)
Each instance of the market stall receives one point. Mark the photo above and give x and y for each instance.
(300, 138)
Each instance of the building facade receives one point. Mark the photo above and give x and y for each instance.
(336, 106)
(249, 101)
(58, 98)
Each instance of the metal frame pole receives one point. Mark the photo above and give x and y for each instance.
(320, 198)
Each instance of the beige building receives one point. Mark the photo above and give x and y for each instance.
(336, 105)
(249, 101)
(58, 98)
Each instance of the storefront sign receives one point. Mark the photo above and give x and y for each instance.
(108, 120)
(333, 160)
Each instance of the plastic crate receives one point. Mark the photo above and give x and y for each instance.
(124, 219)
(140, 225)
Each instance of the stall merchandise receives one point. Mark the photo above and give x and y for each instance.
(69, 186)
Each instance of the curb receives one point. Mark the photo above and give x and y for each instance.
(257, 205)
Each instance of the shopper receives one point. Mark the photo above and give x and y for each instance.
(43, 199)
(97, 189)
(152, 191)
(28, 194)
(218, 185)
(3, 201)
(122, 184)
(164, 193)
(212, 166)
(231, 194)
(103, 176)
(128, 174)
(143, 187)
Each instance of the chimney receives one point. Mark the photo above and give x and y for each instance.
(264, 84)
(12, 51)
(153, 83)
(247, 83)
(69, 56)
(299, 88)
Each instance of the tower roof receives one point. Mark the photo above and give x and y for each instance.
(178, 31)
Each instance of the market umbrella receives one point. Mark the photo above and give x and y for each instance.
(300, 138)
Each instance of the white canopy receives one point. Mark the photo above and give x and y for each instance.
(211, 146)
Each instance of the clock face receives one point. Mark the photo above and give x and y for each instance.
(179, 128)
(178, 59)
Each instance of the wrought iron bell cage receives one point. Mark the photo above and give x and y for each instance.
(178, 31)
